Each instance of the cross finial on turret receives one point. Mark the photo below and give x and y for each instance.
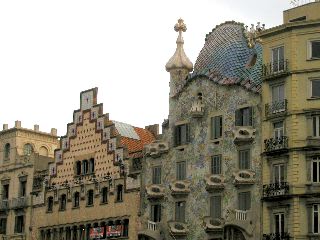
(180, 26)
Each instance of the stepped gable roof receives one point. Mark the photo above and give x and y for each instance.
(134, 138)
(226, 58)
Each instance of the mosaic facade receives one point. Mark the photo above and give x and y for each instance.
(203, 190)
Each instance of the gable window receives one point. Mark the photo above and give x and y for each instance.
(3, 225)
(90, 198)
(215, 207)
(244, 199)
(244, 159)
(279, 223)
(216, 164)
(316, 126)
(104, 195)
(76, 199)
(315, 88)
(119, 193)
(315, 49)
(50, 204)
(63, 202)
(181, 134)
(27, 149)
(277, 59)
(315, 169)
(316, 218)
(181, 170)
(180, 211)
(19, 224)
(7, 151)
(244, 116)
(155, 213)
(156, 175)
(216, 127)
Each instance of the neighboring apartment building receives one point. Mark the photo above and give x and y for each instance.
(23, 152)
(202, 178)
(291, 125)
(89, 194)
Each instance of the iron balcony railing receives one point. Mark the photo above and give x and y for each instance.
(275, 189)
(276, 107)
(275, 68)
(274, 144)
(276, 236)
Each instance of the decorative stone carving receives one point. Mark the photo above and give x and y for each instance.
(214, 182)
(156, 148)
(244, 177)
(155, 191)
(243, 134)
(215, 225)
(197, 109)
(178, 228)
(180, 188)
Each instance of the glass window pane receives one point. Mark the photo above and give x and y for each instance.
(315, 88)
(314, 172)
(315, 49)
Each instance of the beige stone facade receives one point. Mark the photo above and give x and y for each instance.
(88, 190)
(23, 154)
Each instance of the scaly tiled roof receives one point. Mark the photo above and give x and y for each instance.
(225, 58)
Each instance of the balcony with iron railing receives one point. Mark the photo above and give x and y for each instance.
(276, 236)
(276, 145)
(276, 108)
(275, 69)
(4, 205)
(275, 190)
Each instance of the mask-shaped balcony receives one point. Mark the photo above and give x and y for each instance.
(155, 191)
(214, 182)
(214, 225)
(178, 229)
(180, 188)
(243, 134)
(156, 148)
(197, 109)
(244, 177)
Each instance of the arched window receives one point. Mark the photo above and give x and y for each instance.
(63, 202)
(104, 195)
(7, 151)
(91, 165)
(76, 199)
(50, 204)
(27, 149)
(43, 151)
(78, 168)
(90, 198)
(85, 167)
(119, 193)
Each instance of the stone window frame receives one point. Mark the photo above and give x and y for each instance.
(309, 157)
(188, 135)
(243, 148)
(4, 230)
(275, 120)
(221, 203)
(184, 210)
(271, 55)
(276, 160)
(6, 151)
(185, 172)
(310, 79)
(309, 115)
(89, 201)
(161, 210)
(309, 49)
(252, 116)
(49, 210)
(74, 199)
(212, 127)
(276, 208)
(309, 204)
(154, 177)
(28, 149)
(245, 190)
(221, 164)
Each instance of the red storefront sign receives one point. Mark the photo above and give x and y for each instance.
(96, 233)
(114, 231)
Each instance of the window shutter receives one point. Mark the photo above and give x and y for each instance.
(220, 125)
(238, 118)
(176, 136)
(241, 201)
(212, 128)
(251, 116)
(215, 207)
(187, 133)
(247, 200)
(152, 215)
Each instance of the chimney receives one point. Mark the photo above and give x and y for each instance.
(36, 127)
(17, 124)
(54, 131)
(5, 126)
(154, 129)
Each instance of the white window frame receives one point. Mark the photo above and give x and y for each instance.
(311, 81)
(280, 214)
(316, 126)
(277, 130)
(277, 168)
(273, 60)
(317, 207)
(310, 48)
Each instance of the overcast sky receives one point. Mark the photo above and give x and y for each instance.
(52, 50)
